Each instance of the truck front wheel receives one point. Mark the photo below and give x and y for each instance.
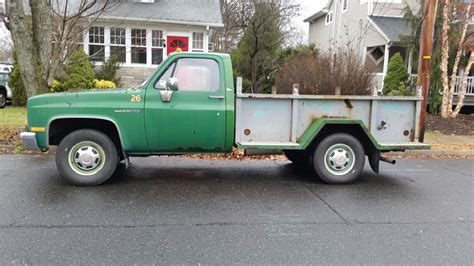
(339, 159)
(86, 157)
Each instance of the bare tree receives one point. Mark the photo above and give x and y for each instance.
(49, 24)
(449, 84)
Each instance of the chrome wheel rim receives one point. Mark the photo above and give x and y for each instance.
(86, 158)
(339, 159)
(3, 99)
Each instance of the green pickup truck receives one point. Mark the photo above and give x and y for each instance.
(192, 104)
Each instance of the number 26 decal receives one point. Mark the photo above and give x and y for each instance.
(135, 98)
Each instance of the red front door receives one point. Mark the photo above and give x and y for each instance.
(179, 43)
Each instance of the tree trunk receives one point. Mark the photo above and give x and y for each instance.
(456, 62)
(24, 47)
(462, 90)
(41, 16)
(444, 61)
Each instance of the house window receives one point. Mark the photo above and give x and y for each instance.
(96, 44)
(117, 43)
(156, 47)
(210, 46)
(138, 37)
(329, 18)
(377, 54)
(345, 5)
(198, 42)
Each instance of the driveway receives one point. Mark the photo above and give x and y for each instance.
(180, 210)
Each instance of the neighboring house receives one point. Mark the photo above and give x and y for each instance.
(142, 33)
(374, 28)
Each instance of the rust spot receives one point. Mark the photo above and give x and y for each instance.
(348, 103)
(247, 132)
(406, 133)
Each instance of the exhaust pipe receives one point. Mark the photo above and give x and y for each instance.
(387, 160)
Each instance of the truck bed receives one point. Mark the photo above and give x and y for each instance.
(266, 121)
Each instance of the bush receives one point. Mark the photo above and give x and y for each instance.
(57, 86)
(79, 72)
(104, 84)
(108, 70)
(19, 97)
(313, 72)
(396, 80)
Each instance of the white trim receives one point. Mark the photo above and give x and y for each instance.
(148, 46)
(344, 10)
(329, 15)
(121, 19)
(128, 46)
(106, 43)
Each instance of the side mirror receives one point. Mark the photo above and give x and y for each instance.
(172, 84)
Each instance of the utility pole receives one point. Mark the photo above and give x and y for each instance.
(424, 61)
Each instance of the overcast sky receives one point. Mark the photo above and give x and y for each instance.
(308, 8)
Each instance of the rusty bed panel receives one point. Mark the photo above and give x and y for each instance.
(285, 118)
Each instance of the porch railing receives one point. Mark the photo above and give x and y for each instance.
(470, 86)
(378, 83)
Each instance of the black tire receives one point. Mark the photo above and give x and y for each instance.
(86, 157)
(339, 159)
(298, 157)
(3, 98)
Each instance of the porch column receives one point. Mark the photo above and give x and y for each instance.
(410, 58)
(385, 61)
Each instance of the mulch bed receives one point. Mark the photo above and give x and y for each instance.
(461, 125)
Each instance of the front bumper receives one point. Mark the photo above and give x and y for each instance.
(28, 139)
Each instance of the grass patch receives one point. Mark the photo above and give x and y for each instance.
(13, 117)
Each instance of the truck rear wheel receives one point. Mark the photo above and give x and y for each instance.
(339, 159)
(86, 157)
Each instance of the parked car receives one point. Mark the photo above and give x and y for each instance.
(5, 91)
(6, 68)
(190, 105)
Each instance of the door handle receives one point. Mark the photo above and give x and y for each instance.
(216, 97)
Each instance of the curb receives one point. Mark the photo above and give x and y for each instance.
(468, 153)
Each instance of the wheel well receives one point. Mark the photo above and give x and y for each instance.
(60, 128)
(3, 89)
(354, 130)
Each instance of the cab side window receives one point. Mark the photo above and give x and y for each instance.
(193, 74)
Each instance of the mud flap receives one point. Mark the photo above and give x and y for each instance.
(374, 160)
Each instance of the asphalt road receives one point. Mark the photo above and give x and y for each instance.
(179, 210)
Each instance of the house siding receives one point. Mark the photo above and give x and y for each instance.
(354, 25)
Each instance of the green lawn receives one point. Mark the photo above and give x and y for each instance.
(12, 117)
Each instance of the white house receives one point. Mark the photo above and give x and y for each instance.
(143, 32)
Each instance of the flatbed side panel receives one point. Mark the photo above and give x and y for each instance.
(285, 121)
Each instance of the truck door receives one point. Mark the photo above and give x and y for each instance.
(185, 108)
